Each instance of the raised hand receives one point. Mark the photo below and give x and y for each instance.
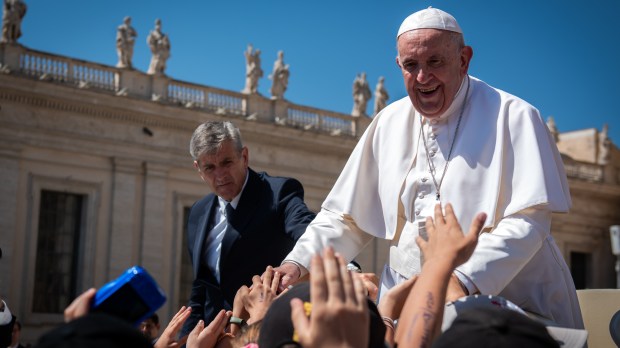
(340, 315)
(168, 338)
(446, 239)
(259, 297)
(206, 337)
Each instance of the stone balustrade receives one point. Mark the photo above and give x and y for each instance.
(584, 171)
(21, 61)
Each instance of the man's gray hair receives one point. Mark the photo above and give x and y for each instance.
(209, 136)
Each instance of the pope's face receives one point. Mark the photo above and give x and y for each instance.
(433, 66)
(224, 170)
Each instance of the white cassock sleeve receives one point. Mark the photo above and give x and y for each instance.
(328, 229)
(502, 253)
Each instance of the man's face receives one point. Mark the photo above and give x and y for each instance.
(433, 67)
(149, 329)
(224, 170)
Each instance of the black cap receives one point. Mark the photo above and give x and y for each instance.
(277, 328)
(495, 327)
(95, 330)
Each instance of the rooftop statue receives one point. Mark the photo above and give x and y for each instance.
(12, 15)
(361, 95)
(253, 71)
(125, 39)
(160, 48)
(381, 96)
(279, 77)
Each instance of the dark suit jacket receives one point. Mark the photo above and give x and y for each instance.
(270, 217)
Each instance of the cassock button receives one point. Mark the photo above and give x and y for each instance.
(421, 195)
(424, 179)
(433, 121)
(433, 136)
(418, 211)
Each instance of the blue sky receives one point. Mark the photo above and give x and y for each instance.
(562, 56)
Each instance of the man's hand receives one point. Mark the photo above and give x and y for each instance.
(290, 274)
(80, 306)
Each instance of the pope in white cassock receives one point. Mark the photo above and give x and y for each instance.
(456, 140)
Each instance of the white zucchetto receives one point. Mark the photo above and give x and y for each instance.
(430, 18)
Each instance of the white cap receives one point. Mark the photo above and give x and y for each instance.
(430, 18)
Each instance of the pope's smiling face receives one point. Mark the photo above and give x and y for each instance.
(433, 63)
(224, 170)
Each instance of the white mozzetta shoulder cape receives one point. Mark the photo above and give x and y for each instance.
(504, 160)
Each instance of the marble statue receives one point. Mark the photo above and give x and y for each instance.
(553, 129)
(125, 39)
(12, 15)
(279, 77)
(604, 146)
(253, 71)
(361, 95)
(381, 96)
(160, 48)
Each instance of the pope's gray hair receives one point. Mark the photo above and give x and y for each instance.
(209, 136)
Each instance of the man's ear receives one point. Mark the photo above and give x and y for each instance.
(398, 62)
(466, 54)
(196, 165)
(245, 154)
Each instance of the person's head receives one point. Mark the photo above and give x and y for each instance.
(17, 332)
(127, 20)
(277, 329)
(433, 59)
(94, 330)
(150, 327)
(220, 157)
(495, 327)
(249, 334)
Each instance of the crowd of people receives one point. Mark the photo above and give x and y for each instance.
(461, 177)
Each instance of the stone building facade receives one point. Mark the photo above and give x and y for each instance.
(96, 177)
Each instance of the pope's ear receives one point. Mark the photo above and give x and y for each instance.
(398, 61)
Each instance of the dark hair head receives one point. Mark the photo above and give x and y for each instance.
(277, 330)
(495, 327)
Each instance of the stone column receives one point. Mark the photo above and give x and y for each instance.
(153, 256)
(125, 220)
(9, 172)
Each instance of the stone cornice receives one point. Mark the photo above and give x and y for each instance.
(104, 111)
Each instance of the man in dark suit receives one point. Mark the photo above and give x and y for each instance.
(250, 221)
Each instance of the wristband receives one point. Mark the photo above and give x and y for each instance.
(237, 321)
